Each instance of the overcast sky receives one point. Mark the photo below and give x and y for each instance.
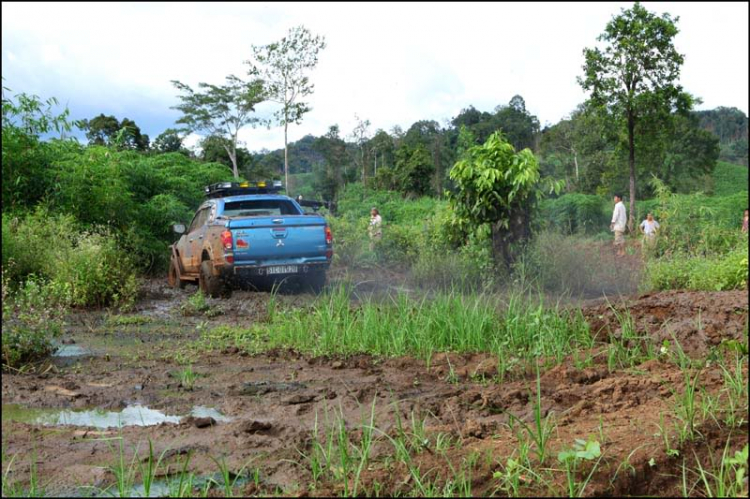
(390, 63)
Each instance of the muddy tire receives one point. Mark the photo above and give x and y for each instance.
(315, 281)
(172, 276)
(210, 284)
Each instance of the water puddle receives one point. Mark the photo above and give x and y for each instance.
(133, 415)
(71, 351)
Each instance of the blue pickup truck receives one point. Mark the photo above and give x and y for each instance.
(247, 232)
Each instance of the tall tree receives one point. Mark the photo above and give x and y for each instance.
(169, 140)
(635, 74)
(361, 134)
(221, 110)
(284, 66)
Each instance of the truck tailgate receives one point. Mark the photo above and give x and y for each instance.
(273, 240)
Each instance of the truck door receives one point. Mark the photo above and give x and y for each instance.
(195, 234)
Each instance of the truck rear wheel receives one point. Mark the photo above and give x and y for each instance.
(209, 283)
(315, 281)
(173, 277)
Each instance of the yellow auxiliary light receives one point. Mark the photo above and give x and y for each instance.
(261, 184)
(244, 184)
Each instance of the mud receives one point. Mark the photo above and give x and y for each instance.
(697, 320)
(260, 412)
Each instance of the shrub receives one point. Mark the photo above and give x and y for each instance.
(98, 271)
(54, 248)
(32, 317)
(700, 273)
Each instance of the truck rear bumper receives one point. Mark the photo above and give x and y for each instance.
(239, 271)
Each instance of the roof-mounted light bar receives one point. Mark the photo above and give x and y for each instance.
(223, 189)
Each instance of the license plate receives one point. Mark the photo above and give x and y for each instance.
(281, 269)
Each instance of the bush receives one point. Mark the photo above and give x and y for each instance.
(699, 273)
(32, 317)
(92, 264)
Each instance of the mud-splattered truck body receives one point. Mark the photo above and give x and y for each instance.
(250, 234)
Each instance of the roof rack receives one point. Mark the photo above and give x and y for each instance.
(224, 189)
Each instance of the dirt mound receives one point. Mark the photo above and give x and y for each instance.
(697, 319)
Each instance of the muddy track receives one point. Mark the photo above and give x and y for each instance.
(271, 401)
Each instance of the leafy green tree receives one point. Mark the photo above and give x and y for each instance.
(26, 159)
(101, 129)
(519, 126)
(498, 186)
(108, 131)
(285, 66)
(170, 140)
(329, 175)
(413, 169)
(635, 74)
(221, 110)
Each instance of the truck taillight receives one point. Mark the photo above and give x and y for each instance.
(226, 240)
(329, 236)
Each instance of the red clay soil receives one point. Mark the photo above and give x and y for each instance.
(274, 400)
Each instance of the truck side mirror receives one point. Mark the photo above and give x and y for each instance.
(178, 228)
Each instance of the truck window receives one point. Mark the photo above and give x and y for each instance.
(199, 220)
(260, 208)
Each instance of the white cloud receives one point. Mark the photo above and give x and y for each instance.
(390, 63)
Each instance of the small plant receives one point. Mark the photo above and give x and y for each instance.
(729, 479)
(32, 317)
(187, 377)
(582, 451)
(542, 429)
(197, 305)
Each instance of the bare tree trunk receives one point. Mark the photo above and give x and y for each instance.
(631, 160)
(233, 158)
(575, 160)
(286, 158)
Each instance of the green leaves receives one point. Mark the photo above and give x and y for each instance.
(582, 449)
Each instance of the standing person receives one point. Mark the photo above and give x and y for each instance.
(375, 229)
(649, 228)
(744, 221)
(619, 221)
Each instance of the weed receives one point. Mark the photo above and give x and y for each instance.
(542, 430)
(571, 458)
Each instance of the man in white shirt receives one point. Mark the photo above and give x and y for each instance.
(649, 227)
(619, 222)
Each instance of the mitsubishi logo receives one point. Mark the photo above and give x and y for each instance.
(279, 243)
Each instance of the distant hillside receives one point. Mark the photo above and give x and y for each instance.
(730, 125)
(729, 179)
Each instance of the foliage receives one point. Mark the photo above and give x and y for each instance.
(718, 272)
(729, 179)
(221, 110)
(575, 213)
(107, 130)
(91, 265)
(499, 187)
(730, 125)
(32, 317)
(26, 158)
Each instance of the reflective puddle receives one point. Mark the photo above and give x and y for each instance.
(132, 415)
(71, 351)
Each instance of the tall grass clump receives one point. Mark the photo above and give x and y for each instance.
(520, 330)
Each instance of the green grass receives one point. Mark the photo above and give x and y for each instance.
(517, 330)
